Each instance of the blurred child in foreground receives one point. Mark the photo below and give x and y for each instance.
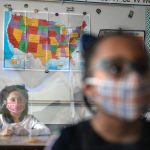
(116, 80)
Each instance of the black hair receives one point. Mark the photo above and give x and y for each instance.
(4, 95)
(89, 44)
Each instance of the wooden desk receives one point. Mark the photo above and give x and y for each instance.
(23, 142)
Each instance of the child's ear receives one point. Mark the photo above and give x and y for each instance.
(88, 90)
(87, 41)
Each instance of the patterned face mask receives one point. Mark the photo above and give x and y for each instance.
(125, 98)
(15, 108)
(15, 102)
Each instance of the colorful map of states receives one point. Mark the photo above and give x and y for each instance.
(44, 39)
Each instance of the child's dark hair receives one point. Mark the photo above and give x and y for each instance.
(4, 95)
(89, 46)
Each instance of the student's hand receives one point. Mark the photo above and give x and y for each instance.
(8, 131)
(19, 130)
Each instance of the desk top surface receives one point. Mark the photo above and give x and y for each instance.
(26, 140)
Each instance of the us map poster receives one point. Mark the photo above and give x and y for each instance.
(43, 41)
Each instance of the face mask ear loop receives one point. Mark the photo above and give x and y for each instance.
(88, 104)
(3, 105)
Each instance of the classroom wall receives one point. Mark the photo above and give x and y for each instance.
(110, 17)
(62, 86)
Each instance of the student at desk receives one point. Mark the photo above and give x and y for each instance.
(15, 119)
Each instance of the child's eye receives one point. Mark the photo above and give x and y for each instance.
(20, 100)
(116, 69)
(12, 99)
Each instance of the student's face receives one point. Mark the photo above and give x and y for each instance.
(111, 64)
(16, 103)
